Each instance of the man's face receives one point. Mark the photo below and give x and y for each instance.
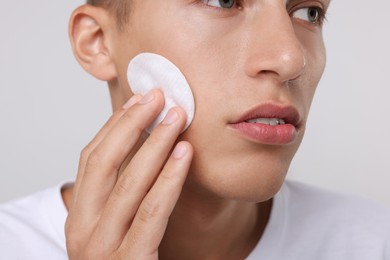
(264, 56)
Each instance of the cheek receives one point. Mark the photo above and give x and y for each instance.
(199, 47)
(314, 47)
(315, 52)
(212, 64)
(315, 71)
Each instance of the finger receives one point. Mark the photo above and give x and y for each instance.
(138, 178)
(97, 139)
(72, 228)
(103, 163)
(150, 222)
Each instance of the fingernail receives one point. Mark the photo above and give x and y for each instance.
(170, 118)
(131, 102)
(147, 98)
(180, 151)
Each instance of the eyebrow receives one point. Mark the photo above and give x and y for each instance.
(327, 2)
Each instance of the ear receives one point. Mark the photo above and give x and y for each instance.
(89, 37)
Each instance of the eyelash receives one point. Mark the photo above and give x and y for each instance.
(238, 6)
(220, 9)
(321, 14)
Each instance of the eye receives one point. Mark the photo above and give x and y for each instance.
(312, 15)
(220, 3)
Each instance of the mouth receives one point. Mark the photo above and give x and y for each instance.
(269, 124)
(267, 121)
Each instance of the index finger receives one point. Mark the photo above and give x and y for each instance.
(84, 155)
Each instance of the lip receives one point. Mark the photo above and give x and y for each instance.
(267, 134)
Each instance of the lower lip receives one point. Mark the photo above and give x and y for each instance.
(267, 134)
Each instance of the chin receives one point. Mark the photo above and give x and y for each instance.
(250, 178)
(227, 166)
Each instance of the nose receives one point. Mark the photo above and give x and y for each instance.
(273, 49)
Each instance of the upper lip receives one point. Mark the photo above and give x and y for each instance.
(270, 110)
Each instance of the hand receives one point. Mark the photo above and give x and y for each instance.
(120, 210)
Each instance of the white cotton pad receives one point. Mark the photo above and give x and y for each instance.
(148, 71)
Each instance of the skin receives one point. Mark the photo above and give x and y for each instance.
(234, 60)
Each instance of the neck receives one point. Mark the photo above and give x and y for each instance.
(204, 226)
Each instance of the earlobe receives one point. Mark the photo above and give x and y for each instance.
(90, 41)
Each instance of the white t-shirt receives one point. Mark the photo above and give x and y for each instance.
(306, 224)
(33, 227)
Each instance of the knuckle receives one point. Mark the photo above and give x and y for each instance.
(72, 247)
(149, 211)
(121, 189)
(93, 253)
(136, 120)
(68, 226)
(119, 254)
(128, 116)
(134, 125)
(85, 252)
(98, 159)
(69, 229)
(154, 140)
(169, 178)
(84, 154)
(79, 244)
(94, 159)
(73, 244)
(127, 252)
(73, 239)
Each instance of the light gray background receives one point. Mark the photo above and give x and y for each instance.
(50, 108)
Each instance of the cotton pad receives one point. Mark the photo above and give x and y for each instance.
(148, 71)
